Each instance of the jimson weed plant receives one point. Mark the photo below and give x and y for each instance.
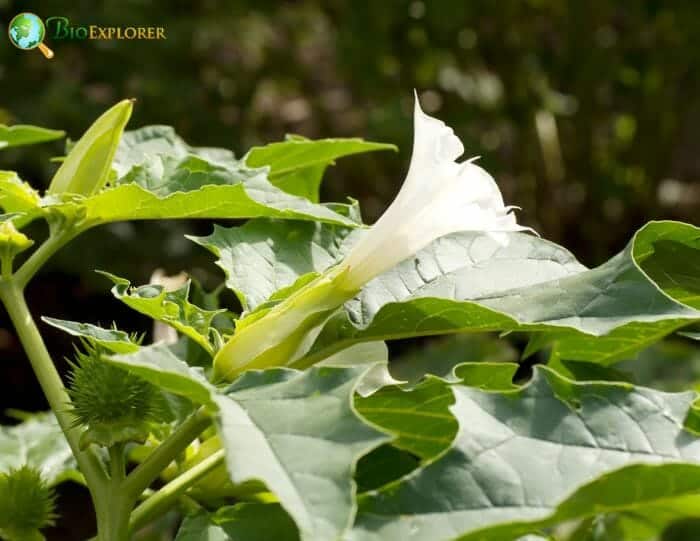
(284, 420)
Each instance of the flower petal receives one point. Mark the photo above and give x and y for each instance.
(438, 197)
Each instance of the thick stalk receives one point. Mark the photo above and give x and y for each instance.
(167, 496)
(113, 517)
(115, 506)
(13, 299)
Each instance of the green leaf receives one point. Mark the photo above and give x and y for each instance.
(252, 198)
(620, 344)
(297, 164)
(159, 366)
(171, 307)
(487, 375)
(551, 451)
(691, 335)
(669, 253)
(112, 339)
(383, 465)
(670, 365)
(375, 355)
(199, 527)
(38, 442)
(662, 522)
(156, 175)
(242, 522)
(583, 371)
(301, 426)
(88, 165)
(160, 176)
(298, 433)
(465, 282)
(441, 356)
(252, 522)
(146, 146)
(21, 135)
(419, 419)
(264, 256)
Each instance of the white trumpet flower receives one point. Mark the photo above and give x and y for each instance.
(438, 197)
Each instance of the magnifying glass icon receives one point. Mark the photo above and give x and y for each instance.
(27, 32)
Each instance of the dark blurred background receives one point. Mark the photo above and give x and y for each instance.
(587, 113)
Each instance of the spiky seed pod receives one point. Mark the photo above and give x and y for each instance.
(27, 505)
(114, 405)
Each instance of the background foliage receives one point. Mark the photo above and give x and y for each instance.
(585, 112)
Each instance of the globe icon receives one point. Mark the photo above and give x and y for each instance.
(26, 31)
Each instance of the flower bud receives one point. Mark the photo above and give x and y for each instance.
(12, 242)
(281, 334)
(88, 165)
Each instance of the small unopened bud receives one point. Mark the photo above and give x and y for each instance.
(12, 242)
(88, 165)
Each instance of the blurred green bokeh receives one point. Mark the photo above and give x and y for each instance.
(586, 112)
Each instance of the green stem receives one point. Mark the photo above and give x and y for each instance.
(6, 268)
(113, 507)
(167, 496)
(117, 466)
(12, 297)
(113, 517)
(146, 472)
